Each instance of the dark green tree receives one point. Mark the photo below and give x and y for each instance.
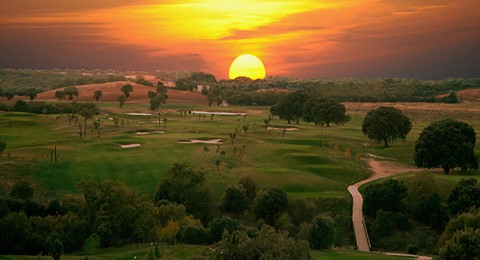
(71, 92)
(219, 225)
(464, 244)
(291, 107)
(31, 93)
(22, 190)
(446, 144)
(186, 185)
(321, 233)
(250, 187)
(151, 94)
(121, 100)
(3, 144)
(323, 112)
(87, 110)
(97, 95)
(271, 205)
(234, 200)
(386, 124)
(126, 89)
(386, 196)
(20, 106)
(59, 94)
(53, 246)
(465, 195)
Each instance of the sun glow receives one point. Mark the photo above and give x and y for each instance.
(247, 65)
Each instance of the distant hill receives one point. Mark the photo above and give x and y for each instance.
(111, 92)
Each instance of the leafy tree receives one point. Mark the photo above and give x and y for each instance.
(3, 144)
(234, 200)
(87, 110)
(470, 219)
(186, 185)
(154, 103)
(321, 233)
(423, 201)
(271, 205)
(22, 190)
(126, 89)
(97, 95)
(9, 94)
(121, 100)
(291, 107)
(20, 106)
(386, 196)
(323, 112)
(59, 94)
(464, 244)
(31, 93)
(446, 144)
(250, 187)
(386, 124)
(465, 195)
(151, 94)
(53, 247)
(219, 225)
(71, 92)
(267, 244)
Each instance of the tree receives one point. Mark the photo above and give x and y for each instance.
(465, 195)
(219, 225)
(386, 124)
(87, 110)
(234, 200)
(59, 94)
(154, 103)
(271, 205)
(22, 190)
(53, 247)
(126, 89)
(121, 100)
(321, 233)
(291, 107)
(186, 185)
(446, 144)
(3, 144)
(31, 93)
(267, 244)
(97, 95)
(151, 94)
(9, 93)
(386, 196)
(20, 106)
(320, 112)
(464, 244)
(71, 92)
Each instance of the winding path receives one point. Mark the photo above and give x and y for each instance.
(381, 169)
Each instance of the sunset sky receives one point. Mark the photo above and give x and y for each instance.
(430, 39)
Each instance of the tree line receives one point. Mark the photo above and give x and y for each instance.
(183, 210)
(394, 207)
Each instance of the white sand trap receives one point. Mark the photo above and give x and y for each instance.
(138, 114)
(281, 129)
(195, 141)
(148, 133)
(218, 113)
(123, 146)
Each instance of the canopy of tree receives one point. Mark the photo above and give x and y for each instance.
(446, 144)
(323, 112)
(386, 124)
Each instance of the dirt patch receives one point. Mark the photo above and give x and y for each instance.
(111, 91)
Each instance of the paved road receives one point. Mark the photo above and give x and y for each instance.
(381, 169)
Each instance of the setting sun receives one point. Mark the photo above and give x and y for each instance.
(247, 65)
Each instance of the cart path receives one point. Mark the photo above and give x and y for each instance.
(381, 169)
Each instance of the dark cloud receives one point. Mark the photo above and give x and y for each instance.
(73, 48)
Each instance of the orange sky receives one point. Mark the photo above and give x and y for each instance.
(296, 38)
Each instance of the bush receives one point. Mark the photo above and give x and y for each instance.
(412, 249)
(321, 233)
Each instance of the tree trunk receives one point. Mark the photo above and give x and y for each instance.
(385, 140)
(446, 170)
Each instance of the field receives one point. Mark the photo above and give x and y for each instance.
(305, 160)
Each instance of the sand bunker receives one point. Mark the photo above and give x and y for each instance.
(138, 114)
(281, 129)
(123, 146)
(218, 113)
(148, 133)
(196, 141)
